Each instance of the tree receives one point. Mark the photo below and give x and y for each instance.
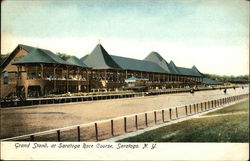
(225, 78)
(3, 57)
(63, 56)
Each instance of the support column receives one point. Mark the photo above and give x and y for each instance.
(36, 71)
(67, 79)
(26, 91)
(126, 74)
(54, 76)
(18, 74)
(87, 75)
(78, 73)
(42, 90)
(42, 71)
(27, 71)
(105, 75)
(117, 78)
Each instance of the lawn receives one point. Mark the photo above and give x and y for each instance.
(239, 107)
(225, 128)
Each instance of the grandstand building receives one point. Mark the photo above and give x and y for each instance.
(35, 72)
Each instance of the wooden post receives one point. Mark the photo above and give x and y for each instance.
(32, 138)
(125, 124)
(42, 71)
(176, 110)
(146, 119)
(67, 81)
(155, 117)
(78, 133)
(54, 76)
(170, 114)
(112, 127)
(136, 122)
(58, 135)
(96, 132)
(162, 115)
(190, 109)
(186, 110)
(36, 71)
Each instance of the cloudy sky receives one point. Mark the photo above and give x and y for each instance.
(211, 34)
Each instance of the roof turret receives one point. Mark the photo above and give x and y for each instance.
(158, 59)
(100, 59)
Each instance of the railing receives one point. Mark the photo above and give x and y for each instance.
(105, 129)
(55, 100)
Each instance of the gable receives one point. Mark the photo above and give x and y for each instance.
(17, 54)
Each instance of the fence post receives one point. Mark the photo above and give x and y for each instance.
(112, 127)
(125, 124)
(78, 134)
(162, 115)
(32, 138)
(155, 117)
(146, 119)
(136, 122)
(186, 110)
(176, 112)
(170, 114)
(58, 135)
(201, 107)
(195, 109)
(96, 132)
(190, 109)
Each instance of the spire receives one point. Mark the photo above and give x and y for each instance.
(173, 67)
(100, 59)
(158, 59)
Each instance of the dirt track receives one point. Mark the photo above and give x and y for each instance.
(20, 121)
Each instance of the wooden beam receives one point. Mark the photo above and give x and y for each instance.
(67, 79)
(42, 71)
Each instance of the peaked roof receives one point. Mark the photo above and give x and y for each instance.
(210, 81)
(196, 70)
(173, 68)
(158, 59)
(137, 65)
(188, 71)
(84, 57)
(37, 55)
(100, 59)
(74, 60)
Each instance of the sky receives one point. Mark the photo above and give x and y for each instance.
(213, 35)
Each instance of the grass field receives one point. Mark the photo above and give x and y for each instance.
(225, 128)
(239, 107)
